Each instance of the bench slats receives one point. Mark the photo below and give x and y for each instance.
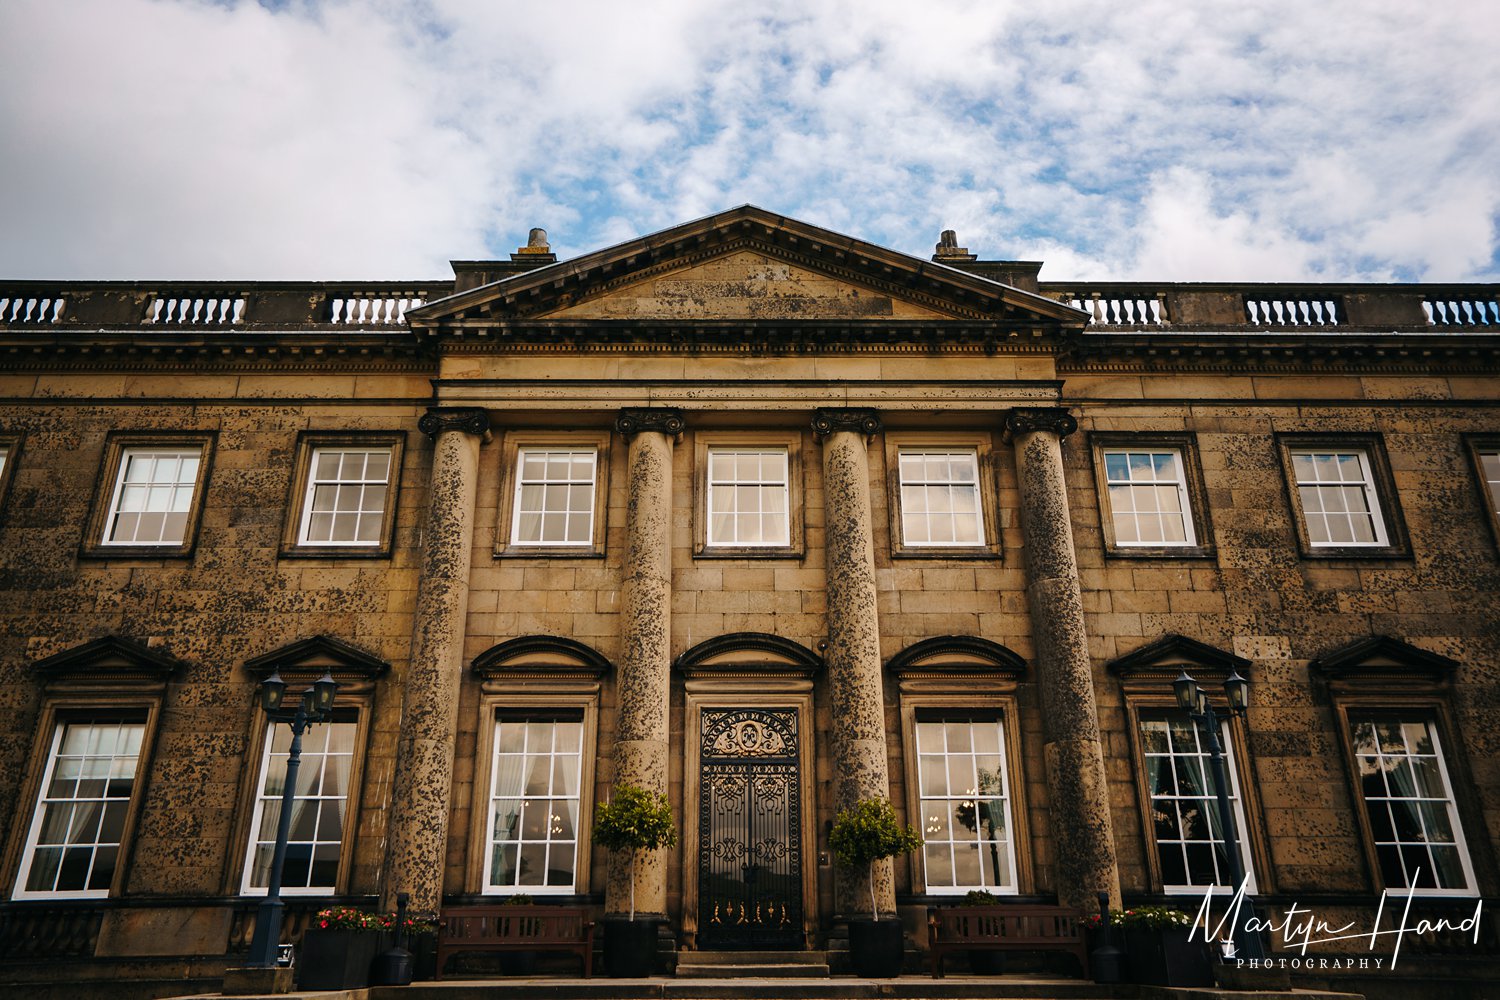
(515, 928)
(1014, 927)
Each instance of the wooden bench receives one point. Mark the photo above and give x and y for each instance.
(1014, 927)
(515, 928)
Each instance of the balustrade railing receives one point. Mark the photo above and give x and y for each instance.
(1262, 309)
(17, 309)
(1122, 308)
(1461, 310)
(196, 309)
(371, 308)
(64, 930)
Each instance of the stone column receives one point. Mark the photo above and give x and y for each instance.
(644, 675)
(1074, 756)
(856, 696)
(417, 839)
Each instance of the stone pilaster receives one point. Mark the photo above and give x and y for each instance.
(417, 839)
(640, 755)
(1070, 723)
(856, 697)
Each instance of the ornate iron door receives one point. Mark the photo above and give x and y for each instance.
(750, 830)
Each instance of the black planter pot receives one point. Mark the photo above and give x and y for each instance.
(629, 947)
(876, 948)
(424, 956)
(1107, 955)
(336, 960)
(986, 963)
(1166, 958)
(518, 963)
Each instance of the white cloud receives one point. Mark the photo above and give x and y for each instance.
(1282, 140)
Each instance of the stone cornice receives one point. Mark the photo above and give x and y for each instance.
(1029, 420)
(470, 420)
(858, 421)
(658, 420)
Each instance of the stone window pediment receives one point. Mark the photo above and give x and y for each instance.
(109, 661)
(541, 656)
(307, 659)
(1160, 661)
(1383, 662)
(963, 660)
(748, 654)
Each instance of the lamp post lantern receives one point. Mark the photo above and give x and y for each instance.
(315, 705)
(1194, 700)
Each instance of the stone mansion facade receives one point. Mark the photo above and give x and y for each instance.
(768, 519)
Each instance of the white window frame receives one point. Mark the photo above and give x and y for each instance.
(1210, 798)
(313, 482)
(42, 800)
(949, 454)
(155, 453)
(1469, 888)
(574, 452)
(260, 799)
(1184, 497)
(493, 798)
(924, 755)
(785, 539)
(1367, 485)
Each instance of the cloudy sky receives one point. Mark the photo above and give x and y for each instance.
(321, 139)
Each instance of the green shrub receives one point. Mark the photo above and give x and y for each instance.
(867, 833)
(634, 820)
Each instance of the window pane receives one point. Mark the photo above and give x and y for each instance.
(747, 498)
(940, 502)
(80, 815)
(1185, 825)
(533, 840)
(1147, 496)
(965, 807)
(554, 497)
(1409, 803)
(319, 807)
(139, 513)
(1337, 493)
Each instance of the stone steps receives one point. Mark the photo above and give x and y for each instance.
(752, 965)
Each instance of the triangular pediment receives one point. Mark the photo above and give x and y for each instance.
(744, 265)
(112, 658)
(307, 658)
(751, 281)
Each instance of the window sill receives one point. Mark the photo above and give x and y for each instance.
(1356, 552)
(947, 552)
(136, 552)
(748, 552)
(550, 552)
(336, 552)
(1159, 552)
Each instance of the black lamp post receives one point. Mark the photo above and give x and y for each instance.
(315, 705)
(1193, 700)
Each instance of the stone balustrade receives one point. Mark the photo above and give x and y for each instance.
(1179, 307)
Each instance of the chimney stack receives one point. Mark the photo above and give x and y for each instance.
(536, 252)
(948, 250)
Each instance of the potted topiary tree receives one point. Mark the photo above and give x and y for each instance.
(633, 820)
(861, 836)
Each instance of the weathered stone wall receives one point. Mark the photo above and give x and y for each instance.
(1260, 599)
(234, 599)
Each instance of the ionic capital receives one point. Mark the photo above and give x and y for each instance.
(1052, 419)
(660, 419)
(860, 421)
(469, 419)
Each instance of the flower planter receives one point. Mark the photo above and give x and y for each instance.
(629, 948)
(876, 948)
(1165, 957)
(336, 959)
